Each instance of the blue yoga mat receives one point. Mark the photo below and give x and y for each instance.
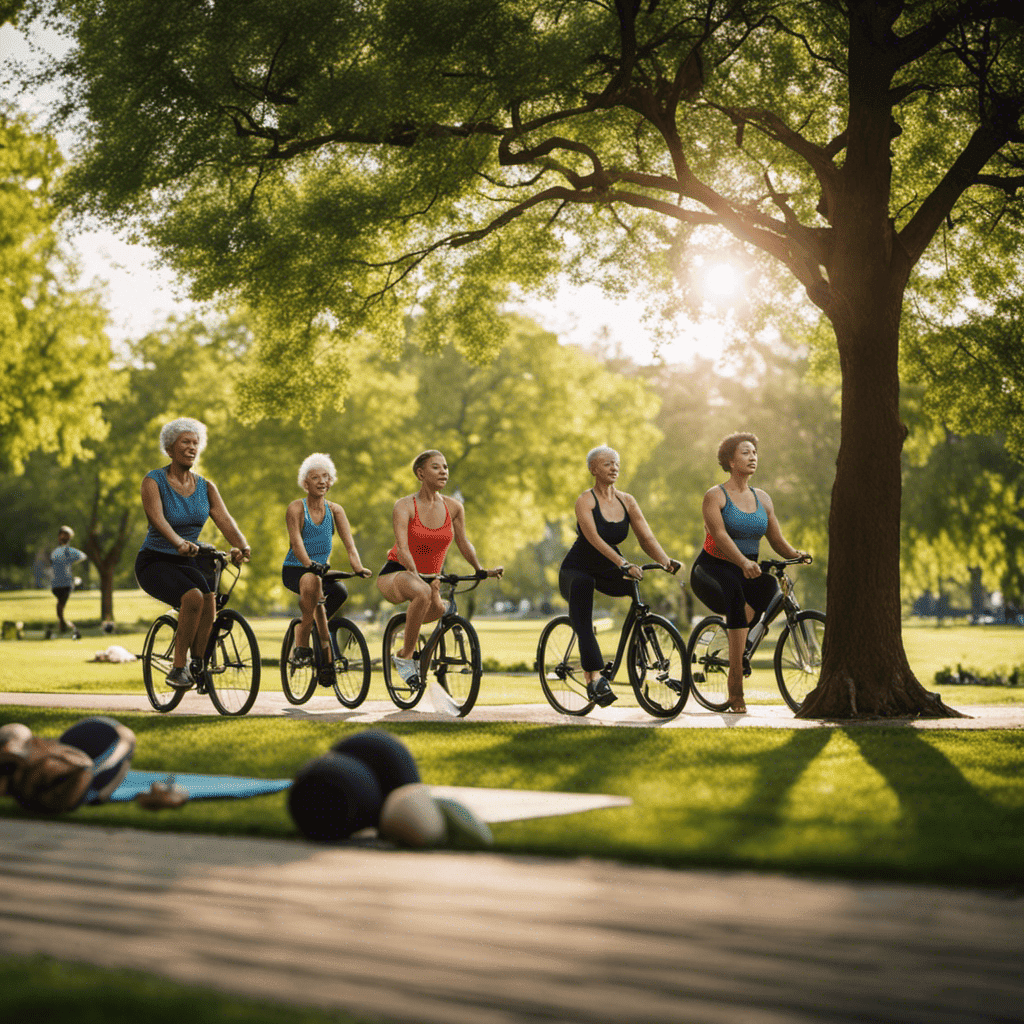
(200, 787)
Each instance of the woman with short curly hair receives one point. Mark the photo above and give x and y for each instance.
(177, 502)
(726, 575)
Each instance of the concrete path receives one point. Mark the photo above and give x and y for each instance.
(444, 938)
(327, 709)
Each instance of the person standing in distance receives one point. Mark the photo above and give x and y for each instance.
(725, 575)
(425, 524)
(311, 523)
(62, 558)
(604, 515)
(177, 502)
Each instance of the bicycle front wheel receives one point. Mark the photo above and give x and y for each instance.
(708, 655)
(233, 664)
(351, 662)
(659, 670)
(561, 674)
(157, 661)
(297, 681)
(452, 657)
(798, 657)
(403, 693)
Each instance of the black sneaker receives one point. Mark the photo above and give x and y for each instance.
(302, 657)
(599, 690)
(180, 679)
(197, 669)
(327, 676)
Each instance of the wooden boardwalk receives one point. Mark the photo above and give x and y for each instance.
(489, 939)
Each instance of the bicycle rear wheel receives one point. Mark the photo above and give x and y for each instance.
(233, 664)
(404, 693)
(561, 674)
(157, 661)
(351, 662)
(659, 670)
(452, 657)
(798, 657)
(297, 682)
(708, 655)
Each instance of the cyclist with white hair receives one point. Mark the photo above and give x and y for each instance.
(604, 515)
(177, 502)
(312, 522)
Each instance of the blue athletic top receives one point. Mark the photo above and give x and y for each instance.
(319, 539)
(186, 515)
(64, 556)
(745, 528)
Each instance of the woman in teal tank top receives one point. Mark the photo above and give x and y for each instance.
(312, 522)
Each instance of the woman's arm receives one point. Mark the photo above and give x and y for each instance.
(774, 534)
(462, 541)
(400, 521)
(341, 524)
(711, 509)
(293, 518)
(154, 509)
(645, 535)
(226, 524)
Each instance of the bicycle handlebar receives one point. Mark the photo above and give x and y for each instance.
(322, 569)
(775, 564)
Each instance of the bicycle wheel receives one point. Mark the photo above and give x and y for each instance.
(351, 662)
(708, 656)
(659, 670)
(452, 657)
(561, 675)
(798, 657)
(157, 661)
(298, 683)
(404, 693)
(233, 664)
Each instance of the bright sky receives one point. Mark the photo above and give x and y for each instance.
(140, 296)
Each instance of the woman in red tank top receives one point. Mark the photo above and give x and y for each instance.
(425, 525)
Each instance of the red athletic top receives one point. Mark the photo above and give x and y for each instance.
(428, 547)
(712, 548)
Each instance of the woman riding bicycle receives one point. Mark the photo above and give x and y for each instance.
(726, 575)
(594, 562)
(177, 502)
(425, 524)
(312, 522)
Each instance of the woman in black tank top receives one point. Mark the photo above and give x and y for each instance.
(594, 562)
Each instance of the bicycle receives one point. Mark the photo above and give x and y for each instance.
(797, 658)
(232, 658)
(656, 662)
(450, 655)
(352, 664)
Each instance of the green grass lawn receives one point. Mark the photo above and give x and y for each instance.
(859, 801)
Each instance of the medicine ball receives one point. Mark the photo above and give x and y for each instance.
(388, 758)
(333, 796)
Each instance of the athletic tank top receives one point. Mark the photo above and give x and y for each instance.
(187, 516)
(583, 555)
(745, 528)
(428, 547)
(318, 538)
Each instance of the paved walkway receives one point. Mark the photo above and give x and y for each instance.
(327, 709)
(444, 938)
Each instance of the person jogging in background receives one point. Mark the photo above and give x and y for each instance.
(62, 558)
(425, 524)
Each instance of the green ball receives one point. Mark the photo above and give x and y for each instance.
(466, 830)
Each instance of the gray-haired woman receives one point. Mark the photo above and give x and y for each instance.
(604, 515)
(177, 502)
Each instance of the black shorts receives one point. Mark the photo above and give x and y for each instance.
(722, 586)
(168, 577)
(335, 592)
(390, 567)
(61, 593)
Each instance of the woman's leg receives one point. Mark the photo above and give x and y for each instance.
(310, 594)
(577, 587)
(190, 616)
(424, 599)
(737, 644)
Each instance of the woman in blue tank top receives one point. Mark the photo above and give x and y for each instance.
(177, 502)
(594, 562)
(311, 523)
(725, 575)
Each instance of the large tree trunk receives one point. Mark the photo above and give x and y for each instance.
(865, 672)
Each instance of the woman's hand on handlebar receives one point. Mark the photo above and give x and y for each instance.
(750, 569)
(633, 571)
(364, 573)
(673, 566)
(240, 555)
(805, 557)
(494, 574)
(187, 548)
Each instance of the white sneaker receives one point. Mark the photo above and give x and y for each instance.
(405, 667)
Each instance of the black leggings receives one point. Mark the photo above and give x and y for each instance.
(335, 592)
(722, 586)
(577, 586)
(169, 578)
